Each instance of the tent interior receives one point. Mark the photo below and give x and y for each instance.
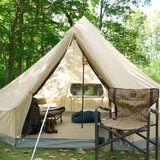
(64, 87)
(83, 56)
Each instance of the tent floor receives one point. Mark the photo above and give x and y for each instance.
(71, 135)
(68, 130)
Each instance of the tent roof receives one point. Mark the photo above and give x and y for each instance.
(112, 68)
(110, 65)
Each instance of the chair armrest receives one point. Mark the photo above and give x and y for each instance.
(154, 111)
(105, 108)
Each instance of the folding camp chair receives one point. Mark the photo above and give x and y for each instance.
(132, 116)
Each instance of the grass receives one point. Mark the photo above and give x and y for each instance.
(8, 152)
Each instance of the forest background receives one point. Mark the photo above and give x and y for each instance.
(30, 28)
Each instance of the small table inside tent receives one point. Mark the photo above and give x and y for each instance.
(90, 102)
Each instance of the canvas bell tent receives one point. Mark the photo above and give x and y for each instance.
(110, 66)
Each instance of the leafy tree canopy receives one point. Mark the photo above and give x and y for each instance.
(29, 29)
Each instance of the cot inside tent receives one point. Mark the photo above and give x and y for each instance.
(52, 76)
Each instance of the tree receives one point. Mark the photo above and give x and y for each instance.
(68, 10)
(27, 33)
(153, 70)
(154, 37)
(117, 22)
(28, 29)
(152, 47)
(136, 25)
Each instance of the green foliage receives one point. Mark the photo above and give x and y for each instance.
(69, 10)
(153, 33)
(29, 29)
(153, 70)
(27, 33)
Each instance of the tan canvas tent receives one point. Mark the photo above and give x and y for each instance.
(110, 66)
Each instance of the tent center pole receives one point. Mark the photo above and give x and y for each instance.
(82, 95)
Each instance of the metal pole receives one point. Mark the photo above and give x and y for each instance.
(82, 96)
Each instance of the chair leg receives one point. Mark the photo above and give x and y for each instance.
(96, 141)
(111, 137)
(147, 149)
(156, 128)
(148, 137)
(156, 148)
(61, 118)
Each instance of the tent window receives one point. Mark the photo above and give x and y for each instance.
(89, 89)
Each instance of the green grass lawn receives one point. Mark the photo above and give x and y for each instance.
(8, 152)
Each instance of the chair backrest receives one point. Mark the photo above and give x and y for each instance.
(133, 103)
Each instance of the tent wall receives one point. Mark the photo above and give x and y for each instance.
(15, 98)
